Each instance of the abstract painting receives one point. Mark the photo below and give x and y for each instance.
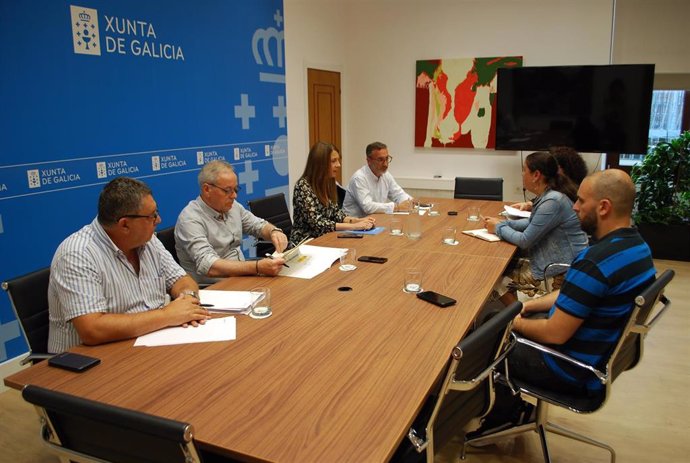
(455, 101)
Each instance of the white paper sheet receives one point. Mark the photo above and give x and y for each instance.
(514, 212)
(215, 329)
(226, 301)
(313, 261)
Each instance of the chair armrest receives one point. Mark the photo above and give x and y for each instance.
(32, 357)
(547, 273)
(643, 329)
(603, 377)
(555, 265)
(469, 384)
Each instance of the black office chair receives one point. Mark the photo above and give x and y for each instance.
(29, 299)
(167, 237)
(467, 390)
(625, 356)
(274, 209)
(341, 195)
(479, 188)
(85, 430)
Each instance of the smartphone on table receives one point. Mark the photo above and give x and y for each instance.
(373, 259)
(73, 362)
(436, 298)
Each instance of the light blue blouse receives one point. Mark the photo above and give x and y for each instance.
(552, 233)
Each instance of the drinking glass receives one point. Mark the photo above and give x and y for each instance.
(261, 302)
(413, 280)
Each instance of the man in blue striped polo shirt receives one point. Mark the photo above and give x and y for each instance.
(108, 279)
(585, 319)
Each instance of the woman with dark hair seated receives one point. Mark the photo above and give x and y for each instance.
(552, 233)
(570, 163)
(315, 198)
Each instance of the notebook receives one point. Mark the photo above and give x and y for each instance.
(482, 234)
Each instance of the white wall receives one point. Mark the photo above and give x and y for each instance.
(314, 38)
(653, 32)
(375, 44)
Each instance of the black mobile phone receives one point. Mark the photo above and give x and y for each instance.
(73, 362)
(350, 235)
(452, 212)
(436, 298)
(373, 259)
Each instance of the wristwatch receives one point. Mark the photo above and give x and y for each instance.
(276, 229)
(191, 292)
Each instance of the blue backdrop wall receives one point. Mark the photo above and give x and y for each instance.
(151, 89)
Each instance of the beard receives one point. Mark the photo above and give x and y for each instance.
(588, 223)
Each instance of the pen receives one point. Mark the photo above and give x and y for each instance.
(206, 305)
(271, 257)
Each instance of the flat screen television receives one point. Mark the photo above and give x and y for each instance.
(593, 109)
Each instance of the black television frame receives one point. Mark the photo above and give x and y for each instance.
(578, 106)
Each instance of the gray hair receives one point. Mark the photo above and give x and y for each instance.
(209, 173)
(376, 146)
(121, 196)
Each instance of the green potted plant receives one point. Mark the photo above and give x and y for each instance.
(662, 205)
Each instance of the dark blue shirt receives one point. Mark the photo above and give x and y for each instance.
(600, 288)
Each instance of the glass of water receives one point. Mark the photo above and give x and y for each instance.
(348, 260)
(413, 280)
(261, 302)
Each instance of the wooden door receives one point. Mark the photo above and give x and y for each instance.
(324, 108)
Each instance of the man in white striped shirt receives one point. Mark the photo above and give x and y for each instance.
(109, 280)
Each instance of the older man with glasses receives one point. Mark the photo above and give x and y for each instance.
(109, 280)
(208, 233)
(373, 189)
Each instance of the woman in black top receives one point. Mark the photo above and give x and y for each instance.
(315, 201)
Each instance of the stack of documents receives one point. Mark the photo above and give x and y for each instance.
(312, 261)
(514, 212)
(483, 234)
(226, 301)
(292, 253)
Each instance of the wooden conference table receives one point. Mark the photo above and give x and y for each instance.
(331, 375)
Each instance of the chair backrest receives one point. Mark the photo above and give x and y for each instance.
(479, 188)
(83, 428)
(467, 390)
(274, 209)
(167, 237)
(630, 349)
(29, 297)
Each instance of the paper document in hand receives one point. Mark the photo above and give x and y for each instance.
(226, 301)
(312, 261)
(482, 233)
(514, 212)
(292, 253)
(216, 329)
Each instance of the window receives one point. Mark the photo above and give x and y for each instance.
(665, 122)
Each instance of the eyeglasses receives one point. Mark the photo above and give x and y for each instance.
(227, 191)
(387, 159)
(154, 216)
